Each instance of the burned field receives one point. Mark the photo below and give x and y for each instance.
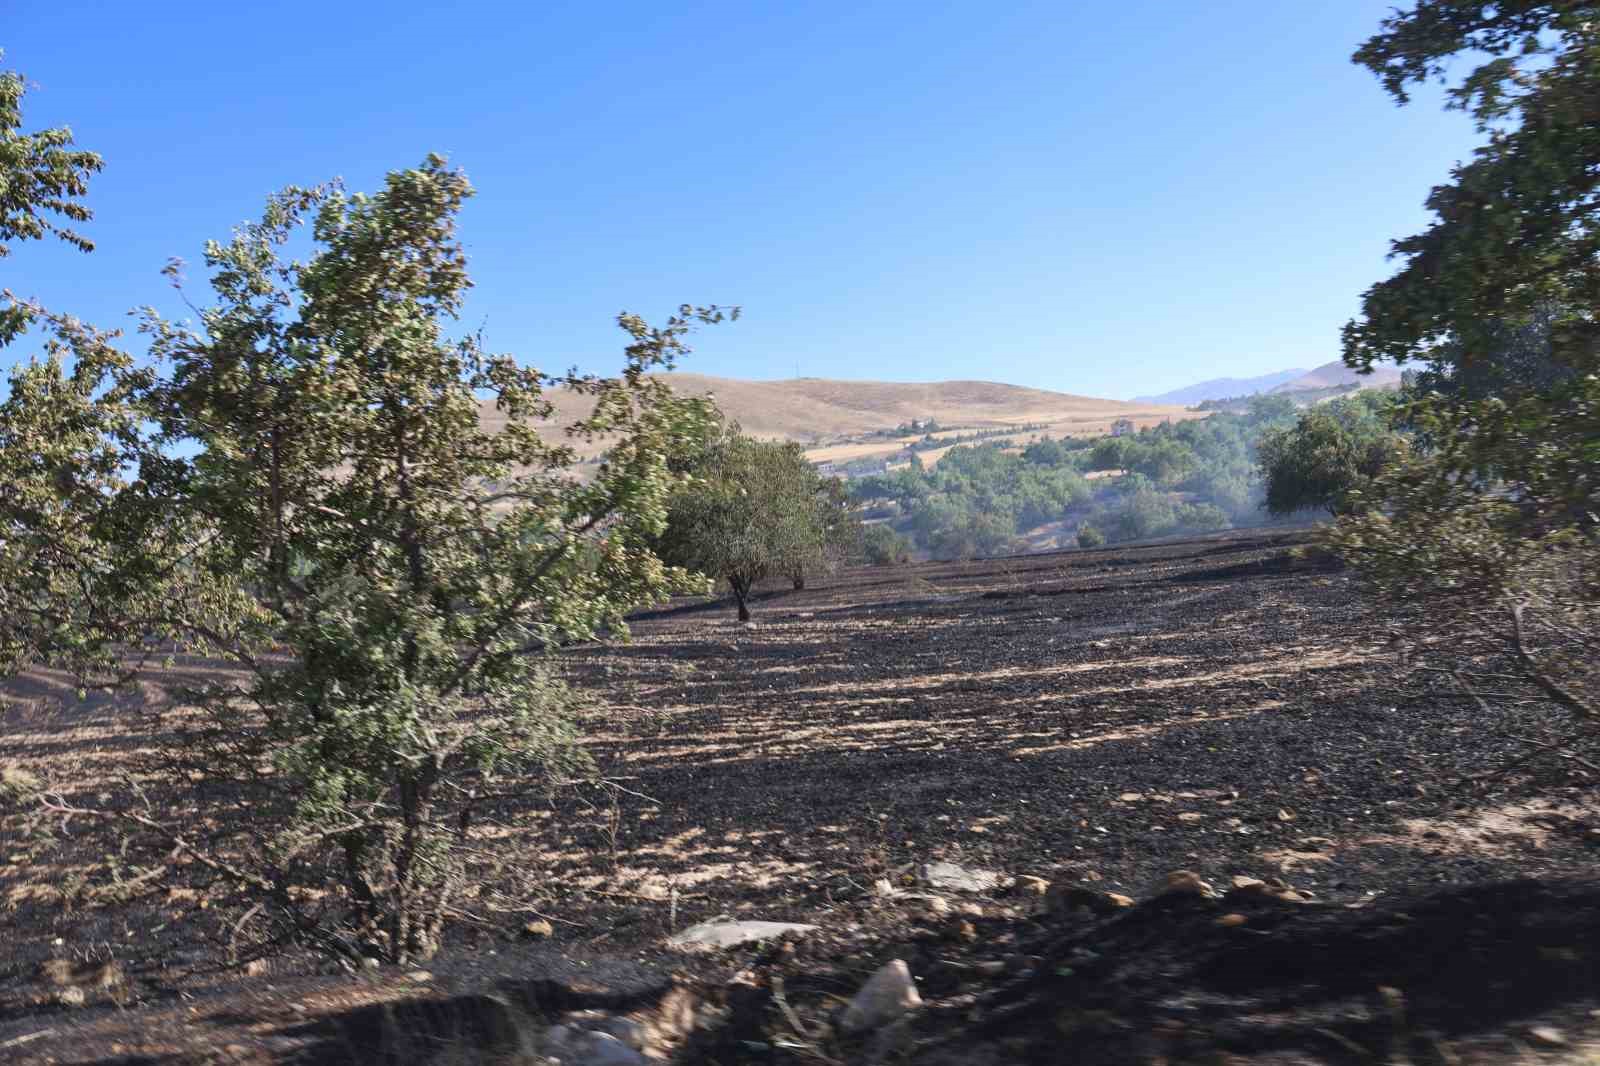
(1098, 719)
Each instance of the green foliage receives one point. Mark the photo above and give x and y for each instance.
(1332, 451)
(1486, 537)
(302, 487)
(1200, 475)
(1490, 542)
(41, 175)
(1090, 536)
(1516, 227)
(753, 509)
(882, 546)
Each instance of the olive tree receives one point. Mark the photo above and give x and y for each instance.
(301, 486)
(754, 509)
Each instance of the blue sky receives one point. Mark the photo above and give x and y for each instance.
(1105, 199)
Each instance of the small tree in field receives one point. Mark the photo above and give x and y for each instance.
(835, 538)
(318, 504)
(755, 509)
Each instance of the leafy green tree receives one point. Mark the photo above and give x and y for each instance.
(882, 546)
(755, 509)
(1090, 536)
(1485, 538)
(1334, 449)
(304, 489)
(1145, 513)
(1515, 228)
(974, 535)
(837, 534)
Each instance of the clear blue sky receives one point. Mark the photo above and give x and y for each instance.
(1105, 199)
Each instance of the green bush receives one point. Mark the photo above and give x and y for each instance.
(882, 546)
(1090, 536)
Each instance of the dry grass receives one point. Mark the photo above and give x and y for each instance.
(821, 412)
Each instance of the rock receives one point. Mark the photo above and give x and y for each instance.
(1029, 885)
(720, 933)
(966, 932)
(937, 906)
(1251, 889)
(1187, 882)
(970, 909)
(538, 929)
(588, 1048)
(889, 995)
(419, 977)
(1229, 921)
(883, 889)
(991, 967)
(255, 968)
(1190, 816)
(1285, 815)
(1316, 843)
(952, 878)
(1065, 899)
(1131, 797)
(630, 1032)
(71, 996)
(1547, 1036)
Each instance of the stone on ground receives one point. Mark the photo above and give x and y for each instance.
(719, 933)
(585, 1047)
(952, 878)
(888, 996)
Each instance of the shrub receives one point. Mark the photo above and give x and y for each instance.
(882, 546)
(1090, 536)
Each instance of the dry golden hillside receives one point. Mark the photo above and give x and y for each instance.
(831, 417)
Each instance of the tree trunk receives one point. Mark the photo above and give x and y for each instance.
(799, 582)
(420, 893)
(741, 589)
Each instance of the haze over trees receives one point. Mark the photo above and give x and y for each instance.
(1194, 476)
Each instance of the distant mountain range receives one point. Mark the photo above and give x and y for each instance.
(1336, 373)
(1325, 376)
(1223, 388)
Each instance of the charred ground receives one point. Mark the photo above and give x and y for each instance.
(1100, 718)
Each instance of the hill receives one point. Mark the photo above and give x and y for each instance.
(1224, 388)
(1330, 375)
(851, 419)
